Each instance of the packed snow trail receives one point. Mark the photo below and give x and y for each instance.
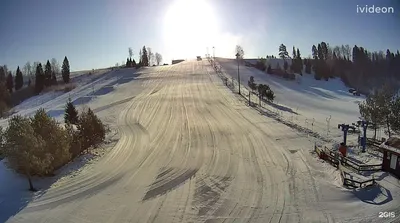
(191, 151)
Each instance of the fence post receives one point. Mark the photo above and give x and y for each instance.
(328, 120)
(312, 125)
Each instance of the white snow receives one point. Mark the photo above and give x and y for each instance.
(311, 99)
(87, 88)
(190, 150)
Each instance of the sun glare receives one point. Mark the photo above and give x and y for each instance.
(189, 27)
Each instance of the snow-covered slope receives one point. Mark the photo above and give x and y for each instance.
(192, 151)
(310, 98)
(87, 88)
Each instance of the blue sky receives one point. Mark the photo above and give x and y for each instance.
(97, 33)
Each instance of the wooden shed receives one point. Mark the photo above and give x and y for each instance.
(391, 156)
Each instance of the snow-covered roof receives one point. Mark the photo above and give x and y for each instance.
(392, 145)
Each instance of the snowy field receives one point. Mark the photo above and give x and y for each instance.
(87, 87)
(308, 102)
(190, 150)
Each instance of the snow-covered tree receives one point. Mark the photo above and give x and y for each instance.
(283, 52)
(158, 58)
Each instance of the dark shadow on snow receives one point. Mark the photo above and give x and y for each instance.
(82, 100)
(103, 90)
(55, 113)
(163, 184)
(281, 107)
(376, 195)
(99, 109)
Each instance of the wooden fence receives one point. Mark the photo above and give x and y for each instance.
(338, 161)
(355, 183)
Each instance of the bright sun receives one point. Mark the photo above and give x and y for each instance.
(189, 27)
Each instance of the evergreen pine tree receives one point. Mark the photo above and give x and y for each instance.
(47, 74)
(65, 70)
(39, 79)
(298, 54)
(269, 94)
(127, 63)
(314, 52)
(294, 53)
(71, 114)
(19, 81)
(10, 82)
(145, 58)
(2, 75)
(283, 52)
(299, 62)
(91, 129)
(140, 58)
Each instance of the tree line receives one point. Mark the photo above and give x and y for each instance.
(39, 145)
(146, 58)
(42, 77)
(382, 109)
(48, 76)
(356, 66)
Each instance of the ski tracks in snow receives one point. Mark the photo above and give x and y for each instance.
(190, 151)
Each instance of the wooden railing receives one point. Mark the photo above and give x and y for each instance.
(337, 161)
(355, 183)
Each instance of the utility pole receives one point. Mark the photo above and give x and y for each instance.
(214, 55)
(237, 58)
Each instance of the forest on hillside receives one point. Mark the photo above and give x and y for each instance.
(357, 67)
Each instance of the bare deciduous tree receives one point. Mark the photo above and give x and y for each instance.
(5, 69)
(130, 52)
(35, 65)
(239, 51)
(28, 70)
(55, 66)
(150, 56)
(158, 58)
(337, 51)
